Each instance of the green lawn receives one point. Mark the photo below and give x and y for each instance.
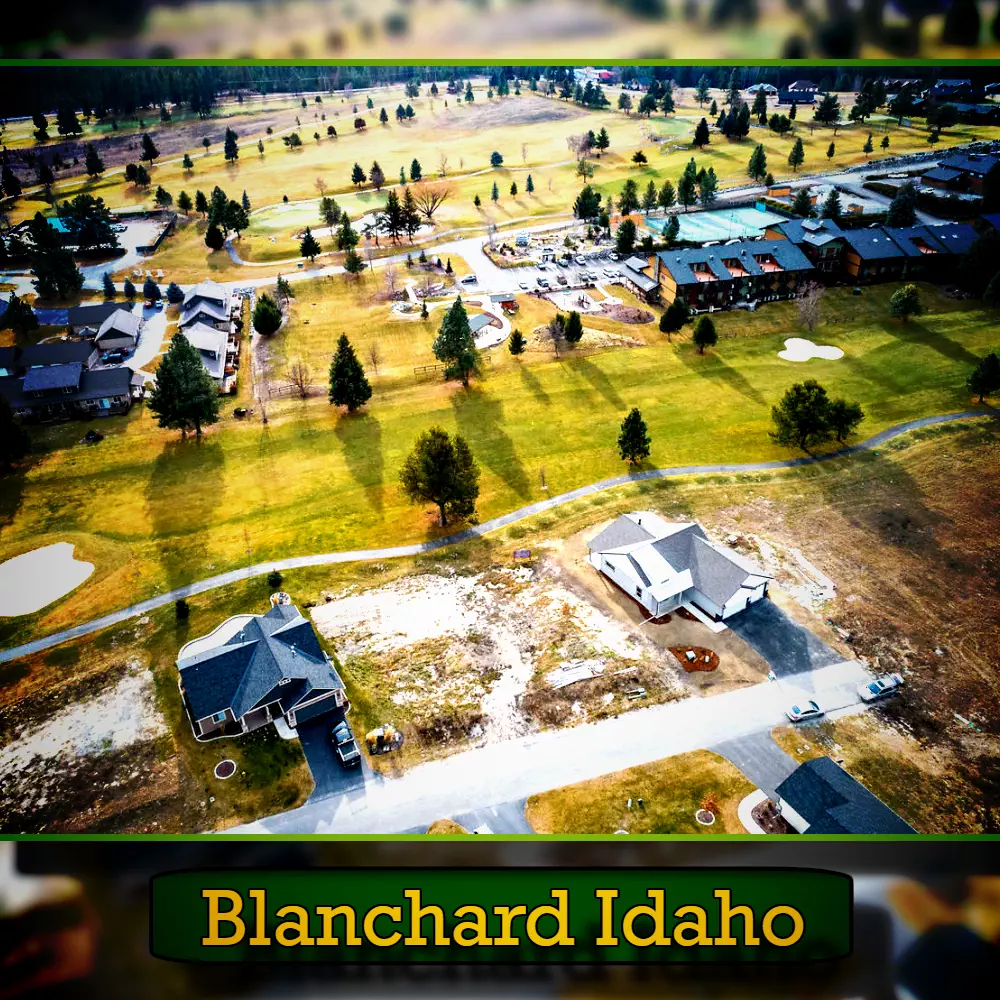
(154, 511)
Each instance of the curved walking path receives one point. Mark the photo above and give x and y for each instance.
(419, 548)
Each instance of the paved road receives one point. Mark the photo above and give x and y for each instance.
(418, 548)
(506, 772)
(759, 758)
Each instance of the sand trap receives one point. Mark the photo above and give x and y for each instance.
(30, 581)
(797, 349)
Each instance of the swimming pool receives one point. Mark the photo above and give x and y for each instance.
(720, 224)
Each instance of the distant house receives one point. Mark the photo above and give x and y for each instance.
(253, 669)
(637, 281)
(81, 318)
(819, 796)
(949, 91)
(56, 352)
(207, 302)
(768, 89)
(740, 272)
(68, 392)
(803, 87)
(961, 172)
(665, 565)
(119, 332)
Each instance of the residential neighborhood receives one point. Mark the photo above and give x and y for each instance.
(502, 450)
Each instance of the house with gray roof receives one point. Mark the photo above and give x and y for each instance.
(119, 332)
(819, 796)
(212, 345)
(961, 172)
(253, 669)
(207, 302)
(821, 240)
(666, 565)
(68, 392)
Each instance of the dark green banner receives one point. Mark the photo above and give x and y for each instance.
(522, 915)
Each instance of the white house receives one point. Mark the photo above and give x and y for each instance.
(665, 565)
(769, 88)
(212, 345)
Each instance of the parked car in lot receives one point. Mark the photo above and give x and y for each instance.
(543, 265)
(469, 279)
(802, 713)
(543, 282)
(581, 259)
(610, 272)
(882, 687)
(564, 261)
(562, 279)
(523, 285)
(344, 745)
(613, 256)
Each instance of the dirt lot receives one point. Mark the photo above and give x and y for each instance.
(526, 110)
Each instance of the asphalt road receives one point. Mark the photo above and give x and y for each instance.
(759, 758)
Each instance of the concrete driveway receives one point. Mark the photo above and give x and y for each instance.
(759, 758)
(788, 647)
(329, 775)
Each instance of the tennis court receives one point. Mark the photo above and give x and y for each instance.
(721, 224)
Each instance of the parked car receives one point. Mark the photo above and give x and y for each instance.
(803, 713)
(543, 282)
(564, 261)
(344, 745)
(523, 285)
(614, 256)
(581, 259)
(610, 272)
(562, 279)
(113, 357)
(882, 687)
(543, 266)
(469, 279)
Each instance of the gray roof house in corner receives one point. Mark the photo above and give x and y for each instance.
(819, 796)
(666, 565)
(254, 668)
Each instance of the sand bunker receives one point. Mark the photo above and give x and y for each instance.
(797, 349)
(30, 581)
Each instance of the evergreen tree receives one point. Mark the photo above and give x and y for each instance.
(347, 237)
(529, 185)
(674, 317)
(109, 286)
(516, 344)
(831, 207)
(587, 204)
(884, 144)
(649, 197)
(184, 202)
(187, 163)
(149, 150)
(383, 117)
(231, 149)
(831, 151)
(174, 294)
(672, 230)
(573, 330)
(358, 176)
(625, 238)
(903, 207)
(905, 302)
(633, 438)
(215, 239)
(266, 315)
(757, 167)
(9, 181)
(704, 334)
(93, 162)
(455, 346)
(828, 110)
(348, 385)
(415, 170)
(797, 155)
(56, 274)
(701, 90)
(984, 379)
(801, 418)
(376, 176)
(309, 247)
(868, 147)
(701, 136)
(667, 197)
(628, 199)
(708, 185)
(200, 202)
(759, 109)
(18, 316)
(843, 418)
(495, 193)
(477, 201)
(128, 290)
(245, 203)
(67, 123)
(802, 204)
(41, 132)
(513, 189)
(602, 141)
(185, 396)
(443, 472)
(687, 185)
(151, 290)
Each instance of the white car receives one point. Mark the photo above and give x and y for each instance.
(543, 266)
(881, 687)
(610, 272)
(523, 285)
(803, 713)
(581, 259)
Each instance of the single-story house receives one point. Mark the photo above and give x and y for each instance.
(803, 86)
(68, 392)
(665, 565)
(253, 669)
(119, 332)
(738, 272)
(80, 318)
(769, 88)
(212, 345)
(819, 796)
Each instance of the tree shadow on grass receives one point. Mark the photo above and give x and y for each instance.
(534, 385)
(480, 420)
(880, 375)
(360, 436)
(183, 500)
(12, 485)
(711, 365)
(598, 379)
(917, 334)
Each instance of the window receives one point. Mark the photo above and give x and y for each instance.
(219, 717)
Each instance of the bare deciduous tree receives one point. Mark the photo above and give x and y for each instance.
(581, 145)
(809, 305)
(430, 197)
(300, 375)
(442, 163)
(555, 331)
(391, 284)
(320, 185)
(369, 250)
(374, 355)
(524, 152)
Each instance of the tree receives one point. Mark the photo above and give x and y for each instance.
(759, 109)
(309, 247)
(128, 290)
(376, 176)
(496, 159)
(628, 199)
(516, 344)
(905, 302)
(884, 144)
(88, 222)
(624, 102)
(174, 294)
(149, 150)
(358, 176)
(602, 141)
(185, 396)
(416, 171)
(633, 438)
(52, 264)
(828, 110)
(66, 121)
(495, 193)
(903, 207)
(674, 317)
(707, 186)
(347, 237)
(809, 305)
(455, 346)
(757, 167)
(245, 203)
(477, 201)
(573, 331)
(984, 379)
(329, 211)
(649, 197)
(151, 290)
(19, 317)
(215, 239)
(529, 185)
(109, 286)
(9, 181)
(353, 263)
(469, 95)
(625, 237)
(231, 149)
(41, 132)
(802, 203)
(200, 202)
(713, 109)
(687, 185)
(672, 230)
(441, 471)
(903, 103)
(666, 197)
(843, 418)
(266, 315)
(639, 157)
(704, 334)
(587, 204)
(284, 289)
(184, 202)
(701, 136)
(831, 207)
(513, 189)
(797, 155)
(701, 90)
(348, 385)
(647, 105)
(801, 418)
(867, 147)
(163, 197)
(93, 162)
(14, 440)
(187, 163)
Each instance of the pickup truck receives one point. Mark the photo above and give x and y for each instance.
(344, 745)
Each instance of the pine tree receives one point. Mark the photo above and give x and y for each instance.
(245, 202)
(984, 379)
(634, 439)
(802, 204)
(266, 315)
(93, 162)
(348, 385)
(149, 150)
(55, 271)
(358, 176)
(513, 189)
(687, 185)
(455, 346)
(667, 196)
(701, 136)
(376, 176)
(516, 344)
(831, 151)
(573, 329)
(215, 239)
(151, 290)
(185, 396)
(707, 186)
(674, 317)
(200, 202)
(867, 147)
(18, 316)
(353, 263)
(704, 334)
(109, 286)
(231, 149)
(309, 247)
(347, 237)
(831, 207)
(757, 167)
(174, 294)
(443, 472)
(184, 202)
(529, 185)
(797, 155)
(383, 117)
(415, 170)
(128, 290)
(187, 163)
(495, 193)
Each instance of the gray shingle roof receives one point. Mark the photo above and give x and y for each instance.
(53, 377)
(942, 174)
(57, 353)
(971, 163)
(99, 384)
(122, 323)
(622, 531)
(798, 230)
(679, 262)
(958, 237)
(275, 657)
(831, 801)
(93, 315)
(195, 312)
(207, 289)
(872, 244)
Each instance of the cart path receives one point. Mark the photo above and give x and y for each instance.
(419, 548)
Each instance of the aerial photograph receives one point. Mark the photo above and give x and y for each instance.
(520, 449)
